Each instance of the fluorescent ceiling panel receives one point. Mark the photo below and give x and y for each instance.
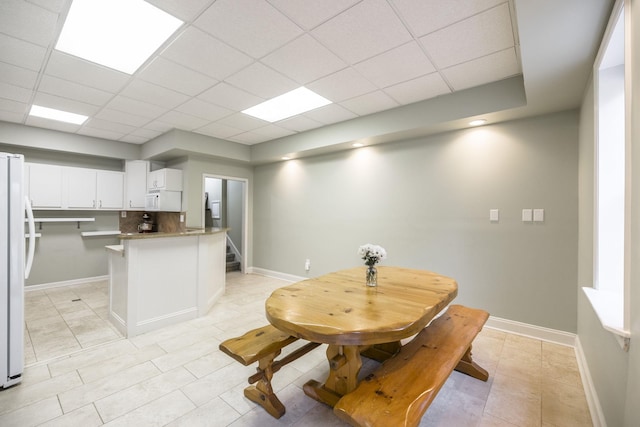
(119, 34)
(286, 105)
(59, 115)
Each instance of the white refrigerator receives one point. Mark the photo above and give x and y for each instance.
(13, 267)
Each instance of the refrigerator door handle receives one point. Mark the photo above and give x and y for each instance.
(32, 237)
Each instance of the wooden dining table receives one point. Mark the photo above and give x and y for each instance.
(338, 309)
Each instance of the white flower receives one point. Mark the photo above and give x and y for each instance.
(372, 254)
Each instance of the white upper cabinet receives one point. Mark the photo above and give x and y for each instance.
(136, 172)
(165, 179)
(45, 186)
(81, 188)
(110, 190)
(62, 187)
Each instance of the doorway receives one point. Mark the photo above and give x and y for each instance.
(225, 206)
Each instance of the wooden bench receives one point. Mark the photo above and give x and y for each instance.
(399, 392)
(264, 345)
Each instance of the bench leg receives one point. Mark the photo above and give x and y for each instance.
(262, 393)
(471, 368)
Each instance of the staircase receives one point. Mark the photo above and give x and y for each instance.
(232, 264)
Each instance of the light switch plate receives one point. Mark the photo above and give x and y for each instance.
(527, 215)
(494, 215)
(538, 215)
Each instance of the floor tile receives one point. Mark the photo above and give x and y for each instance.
(177, 376)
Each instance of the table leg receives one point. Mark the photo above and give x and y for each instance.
(344, 366)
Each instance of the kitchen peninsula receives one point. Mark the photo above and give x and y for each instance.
(158, 279)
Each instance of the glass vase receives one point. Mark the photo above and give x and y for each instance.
(372, 276)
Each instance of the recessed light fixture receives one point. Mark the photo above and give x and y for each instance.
(357, 144)
(286, 158)
(286, 105)
(59, 115)
(119, 34)
(478, 122)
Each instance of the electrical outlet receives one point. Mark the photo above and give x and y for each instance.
(307, 265)
(123, 214)
(181, 217)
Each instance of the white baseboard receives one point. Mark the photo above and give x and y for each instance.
(275, 274)
(597, 416)
(72, 282)
(532, 331)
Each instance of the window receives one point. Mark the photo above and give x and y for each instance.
(609, 296)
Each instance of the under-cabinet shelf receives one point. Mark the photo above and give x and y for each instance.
(100, 233)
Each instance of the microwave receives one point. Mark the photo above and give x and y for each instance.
(163, 200)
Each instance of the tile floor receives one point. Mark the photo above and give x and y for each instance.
(60, 321)
(176, 376)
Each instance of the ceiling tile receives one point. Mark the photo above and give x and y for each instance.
(253, 26)
(56, 6)
(272, 131)
(332, 113)
(262, 81)
(51, 124)
(28, 22)
(403, 63)
(205, 110)
(87, 73)
(146, 134)
(21, 53)
(367, 29)
(17, 76)
(133, 139)
(15, 93)
(134, 106)
(183, 121)
(64, 104)
(218, 130)
(153, 94)
(228, 96)
(242, 121)
(71, 90)
(185, 10)
(415, 90)
(249, 138)
(472, 38)
(342, 85)
(170, 75)
(311, 13)
(110, 126)
(100, 133)
(116, 116)
(8, 116)
(304, 60)
(369, 103)
(12, 106)
(299, 123)
(426, 16)
(489, 68)
(200, 52)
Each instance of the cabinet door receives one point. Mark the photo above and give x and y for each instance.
(45, 186)
(156, 180)
(81, 188)
(110, 190)
(136, 183)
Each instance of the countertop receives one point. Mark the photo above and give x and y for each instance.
(189, 232)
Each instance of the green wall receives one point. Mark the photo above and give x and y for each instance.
(427, 202)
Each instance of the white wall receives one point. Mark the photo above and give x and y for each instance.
(427, 202)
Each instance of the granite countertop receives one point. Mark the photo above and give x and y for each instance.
(188, 232)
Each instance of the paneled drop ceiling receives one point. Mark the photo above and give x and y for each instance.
(366, 56)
